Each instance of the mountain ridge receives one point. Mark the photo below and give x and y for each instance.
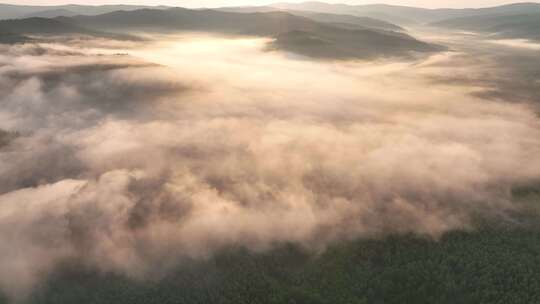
(408, 15)
(339, 42)
(518, 26)
(292, 33)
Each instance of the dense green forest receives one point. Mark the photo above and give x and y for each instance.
(499, 262)
(491, 266)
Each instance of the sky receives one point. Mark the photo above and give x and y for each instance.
(217, 3)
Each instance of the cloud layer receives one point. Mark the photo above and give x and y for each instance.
(128, 164)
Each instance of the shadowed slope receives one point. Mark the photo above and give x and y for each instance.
(404, 15)
(40, 26)
(293, 33)
(17, 30)
(11, 11)
(525, 26)
(340, 20)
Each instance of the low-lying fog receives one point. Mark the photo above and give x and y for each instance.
(130, 156)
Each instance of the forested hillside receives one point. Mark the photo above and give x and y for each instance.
(489, 266)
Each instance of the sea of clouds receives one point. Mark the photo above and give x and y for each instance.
(128, 157)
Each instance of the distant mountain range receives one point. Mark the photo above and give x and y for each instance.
(17, 30)
(40, 26)
(21, 30)
(519, 20)
(9, 11)
(316, 29)
(292, 33)
(401, 15)
(404, 15)
(340, 20)
(525, 26)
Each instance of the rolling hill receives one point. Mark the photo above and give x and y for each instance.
(11, 38)
(348, 44)
(525, 26)
(339, 20)
(53, 13)
(404, 15)
(40, 26)
(9, 11)
(293, 33)
(181, 19)
(401, 15)
(350, 21)
(22, 30)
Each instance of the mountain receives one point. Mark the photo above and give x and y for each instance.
(181, 19)
(11, 38)
(53, 13)
(18, 30)
(40, 26)
(339, 20)
(404, 15)
(9, 11)
(348, 44)
(401, 15)
(509, 9)
(526, 26)
(345, 9)
(350, 21)
(249, 9)
(293, 33)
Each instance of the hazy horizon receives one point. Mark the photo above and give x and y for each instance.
(222, 3)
